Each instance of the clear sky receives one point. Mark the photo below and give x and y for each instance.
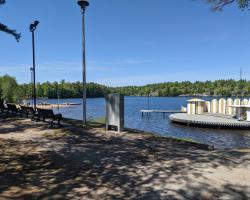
(129, 42)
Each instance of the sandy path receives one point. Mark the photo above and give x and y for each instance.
(76, 163)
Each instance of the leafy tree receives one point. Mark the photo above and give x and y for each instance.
(12, 92)
(218, 5)
(8, 87)
(5, 28)
(19, 93)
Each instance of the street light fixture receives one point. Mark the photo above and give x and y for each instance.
(32, 30)
(83, 4)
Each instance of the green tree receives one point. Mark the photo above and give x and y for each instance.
(8, 87)
(5, 28)
(218, 5)
(11, 91)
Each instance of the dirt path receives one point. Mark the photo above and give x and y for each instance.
(75, 163)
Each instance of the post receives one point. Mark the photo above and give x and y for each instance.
(32, 30)
(32, 82)
(83, 68)
(148, 101)
(83, 4)
(34, 69)
(58, 107)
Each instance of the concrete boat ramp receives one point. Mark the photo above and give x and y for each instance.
(209, 120)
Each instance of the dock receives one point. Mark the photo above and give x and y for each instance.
(209, 120)
(163, 112)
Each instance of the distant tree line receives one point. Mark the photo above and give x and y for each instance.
(11, 91)
(186, 88)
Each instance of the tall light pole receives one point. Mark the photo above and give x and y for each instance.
(32, 30)
(32, 82)
(83, 4)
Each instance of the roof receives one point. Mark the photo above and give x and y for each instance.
(195, 100)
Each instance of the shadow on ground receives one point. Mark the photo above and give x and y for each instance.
(73, 163)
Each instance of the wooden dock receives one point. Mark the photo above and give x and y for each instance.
(163, 112)
(210, 120)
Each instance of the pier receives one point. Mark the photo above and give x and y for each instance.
(210, 120)
(163, 112)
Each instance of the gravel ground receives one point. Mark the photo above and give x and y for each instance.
(38, 162)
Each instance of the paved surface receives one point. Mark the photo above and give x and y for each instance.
(209, 119)
(88, 163)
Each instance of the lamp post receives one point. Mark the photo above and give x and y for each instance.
(32, 30)
(32, 82)
(83, 4)
(148, 100)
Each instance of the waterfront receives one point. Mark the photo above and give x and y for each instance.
(220, 138)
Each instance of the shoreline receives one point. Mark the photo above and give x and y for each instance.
(51, 106)
(200, 145)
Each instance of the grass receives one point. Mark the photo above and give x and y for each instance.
(100, 120)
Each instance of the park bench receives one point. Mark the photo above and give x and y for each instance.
(28, 111)
(3, 108)
(49, 114)
(13, 109)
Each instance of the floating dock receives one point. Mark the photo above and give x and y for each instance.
(209, 120)
(148, 112)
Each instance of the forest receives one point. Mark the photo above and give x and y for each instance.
(11, 91)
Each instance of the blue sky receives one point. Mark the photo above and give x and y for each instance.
(129, 42)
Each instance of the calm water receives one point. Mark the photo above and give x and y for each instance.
(157, 124)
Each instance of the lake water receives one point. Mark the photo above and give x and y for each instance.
(220, 138)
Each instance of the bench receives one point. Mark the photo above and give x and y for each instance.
(49, 114)
(3, 108)
(27, 110)
(13, 109)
